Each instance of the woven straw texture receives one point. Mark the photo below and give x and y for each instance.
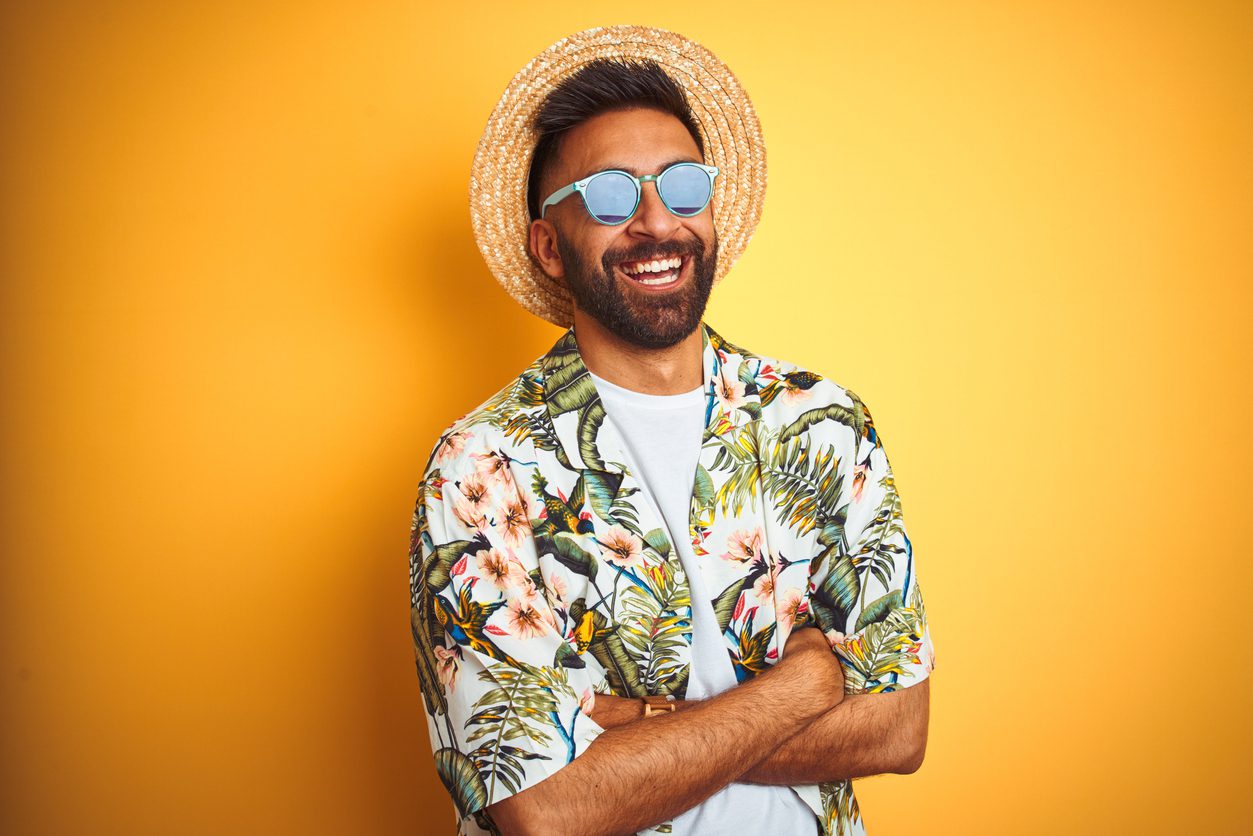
(728, 126)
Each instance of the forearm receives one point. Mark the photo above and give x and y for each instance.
(651, 769)
(866, 734)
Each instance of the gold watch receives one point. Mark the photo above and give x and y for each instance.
(658, 705)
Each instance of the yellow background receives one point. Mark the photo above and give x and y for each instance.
(237, 263)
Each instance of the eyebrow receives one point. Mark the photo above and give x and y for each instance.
(687, 158)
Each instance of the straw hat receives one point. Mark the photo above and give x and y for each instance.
(498, 181)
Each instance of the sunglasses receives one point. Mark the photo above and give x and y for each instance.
(612, 196)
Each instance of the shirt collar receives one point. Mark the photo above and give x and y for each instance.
(732, 398)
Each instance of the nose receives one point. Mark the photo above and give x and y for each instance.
(652, 219)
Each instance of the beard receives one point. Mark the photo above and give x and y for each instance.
(649, 320)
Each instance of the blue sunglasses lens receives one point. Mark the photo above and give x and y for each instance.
(685, 189)
(611, 197)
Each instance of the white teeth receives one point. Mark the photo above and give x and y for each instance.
(654, 267)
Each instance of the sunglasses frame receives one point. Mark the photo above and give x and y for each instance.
(580, 186)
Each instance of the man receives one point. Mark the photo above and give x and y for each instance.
(660, 583)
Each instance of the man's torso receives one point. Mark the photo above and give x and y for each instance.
(778, 476)
(662, 438)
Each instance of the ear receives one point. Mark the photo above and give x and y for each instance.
(542, 240)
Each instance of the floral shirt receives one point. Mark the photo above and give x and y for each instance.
(542, 575)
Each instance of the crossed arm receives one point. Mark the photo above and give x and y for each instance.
(864, 734)
(642, 771)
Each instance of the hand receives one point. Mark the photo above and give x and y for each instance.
(808, 649)
(805, 638)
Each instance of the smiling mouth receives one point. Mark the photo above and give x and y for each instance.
(655, 273)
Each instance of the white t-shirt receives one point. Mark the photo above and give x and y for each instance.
(662, 434)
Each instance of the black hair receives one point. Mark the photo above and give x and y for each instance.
(601, 86)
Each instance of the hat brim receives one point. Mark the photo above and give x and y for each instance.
(725, 117)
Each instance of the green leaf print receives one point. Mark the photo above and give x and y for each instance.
(840, 807)
(591, 417)
(423, 625)
(737, 455)
(601, 488)
(878, 609)
(443, 558)
(569, 387)
(659, 542)
(836, 596)
(652, 630)
(881, 649)
(573, 556)
(523, 703)
(461, 778)
(805, 488)
(724, 604)
(702, 497)
(834, 412)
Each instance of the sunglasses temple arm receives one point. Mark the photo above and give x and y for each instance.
(556, 197)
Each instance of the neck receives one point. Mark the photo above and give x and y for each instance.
(653, 371)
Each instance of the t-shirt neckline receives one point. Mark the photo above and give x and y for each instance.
(646, 399)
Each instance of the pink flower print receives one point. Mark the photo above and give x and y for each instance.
(467, 512)
(744, 545)
(622, 548)
(471, 501)
(764, 587)
(788, 607)
(531, 595)
(859, 480)
(493, 467)
(587, 701)
(446, 666)
(475, 489)
(730, 392)
(452, 444)
(796, 395)
(503, 570)
(524, 619)
(514, 523)
(557, 590)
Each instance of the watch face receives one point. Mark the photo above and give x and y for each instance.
(657, 706)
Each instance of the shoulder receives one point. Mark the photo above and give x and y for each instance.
(788, 390)
(485, 428)
(798, 400)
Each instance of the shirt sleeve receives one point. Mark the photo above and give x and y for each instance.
(506, 697)
(863, 586)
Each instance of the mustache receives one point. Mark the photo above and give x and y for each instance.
(611, 258)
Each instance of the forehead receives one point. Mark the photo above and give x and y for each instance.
(641, 141)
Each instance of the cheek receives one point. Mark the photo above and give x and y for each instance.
(704, 230)
(586, 250)
(703, 224)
